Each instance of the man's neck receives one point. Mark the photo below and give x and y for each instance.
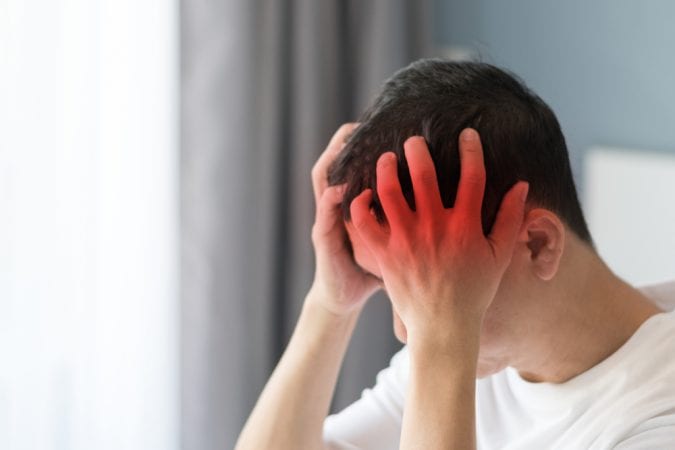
(585, 314)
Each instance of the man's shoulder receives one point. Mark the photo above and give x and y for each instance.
(662, 294)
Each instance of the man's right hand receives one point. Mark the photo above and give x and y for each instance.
(339, 284)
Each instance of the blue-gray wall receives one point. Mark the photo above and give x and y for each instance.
(607, 67)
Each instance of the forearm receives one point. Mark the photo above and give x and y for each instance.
(293, 405)
(440, 405)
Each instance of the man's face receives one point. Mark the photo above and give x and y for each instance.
(491, 358)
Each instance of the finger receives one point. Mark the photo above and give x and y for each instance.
(472, 177)
(423, 175)
(364, 222)
(319, 176)
(509, 219)
(389, 190)
(328, 209)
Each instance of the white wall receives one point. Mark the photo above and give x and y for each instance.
(88, 224)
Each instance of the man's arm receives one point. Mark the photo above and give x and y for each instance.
(440, 407)
(291, 409)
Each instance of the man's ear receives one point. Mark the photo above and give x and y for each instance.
(544, 234)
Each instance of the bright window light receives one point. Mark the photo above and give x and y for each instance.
(88, 225)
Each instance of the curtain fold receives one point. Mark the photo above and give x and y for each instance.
(264, 85)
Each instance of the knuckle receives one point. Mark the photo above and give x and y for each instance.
(360, 221)
(472, 147)
(318, 235)
(427, 177)
(388, 190)
(328, 192)
(356, 217)
(474, 176)
(320, 213)
(317, 172)
(345, 128)
(324, 207)
(333, 195)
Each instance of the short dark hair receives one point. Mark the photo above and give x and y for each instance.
(437, 99)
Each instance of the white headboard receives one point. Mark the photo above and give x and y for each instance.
(629, 203)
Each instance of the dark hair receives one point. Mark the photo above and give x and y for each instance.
(437, 99)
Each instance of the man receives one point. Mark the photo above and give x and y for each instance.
(455, 195)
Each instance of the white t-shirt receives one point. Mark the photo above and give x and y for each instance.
(626, 402)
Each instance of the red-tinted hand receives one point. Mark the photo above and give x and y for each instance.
(440, 271)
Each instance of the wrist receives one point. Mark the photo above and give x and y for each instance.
(319, 329)
(445, 343)
(332, 304)
(327, 310)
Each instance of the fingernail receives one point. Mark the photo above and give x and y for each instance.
(524, 191)
(414, 138)
(469, 134)
(389, 157)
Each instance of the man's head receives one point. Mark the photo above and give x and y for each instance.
(437, 99)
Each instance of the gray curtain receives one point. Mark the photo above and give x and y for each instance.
(264, 85)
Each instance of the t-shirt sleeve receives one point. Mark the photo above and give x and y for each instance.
(655, 433)
(373, 421)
